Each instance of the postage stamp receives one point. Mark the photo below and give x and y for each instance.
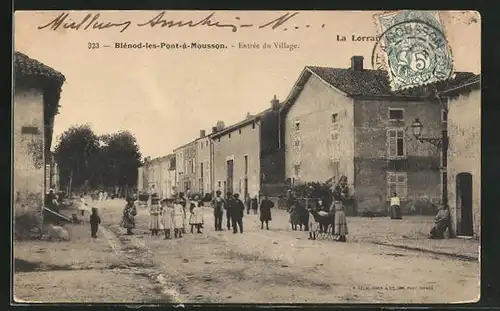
(412, 48)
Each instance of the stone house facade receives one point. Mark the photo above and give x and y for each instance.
(203, 169)
(158, 176)
(347, 121)
(246, 155)
(37, 90)
(185, 160)
(464, 157)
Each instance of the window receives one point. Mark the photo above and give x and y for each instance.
(239, 131)
(296, 170)
(444, 115)
(253, 125)
(297, 126)
(246, 165)
(335, 168)
(201, 145)
(219, 184)
(229, 136)
(218, 140)
(397, 182)
(29, 130)
(193, 166)
(396, 143)
(395, 114)
(335, 117)
(206, 143)
(201, 170)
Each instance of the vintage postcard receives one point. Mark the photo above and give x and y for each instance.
(267, 157)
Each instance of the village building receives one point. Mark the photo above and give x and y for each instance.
(168, 179)
(185, 165)
(142, 176)
(158, 176)
(347, 121)
(464, 157)
(37, 90)
(141, 179)
(203, 164)
(246, 156)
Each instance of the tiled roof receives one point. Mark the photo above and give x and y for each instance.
(25, 67)
(240, 124)
(375, 82)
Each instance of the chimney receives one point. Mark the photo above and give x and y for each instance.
(220, 125)
(275, 103)
(357, 63)
(202, 133)
(248, 115)
(214, 129)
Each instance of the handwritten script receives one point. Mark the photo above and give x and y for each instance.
(94, 21)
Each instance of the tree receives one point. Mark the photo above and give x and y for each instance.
(74, 154)
(121, 157)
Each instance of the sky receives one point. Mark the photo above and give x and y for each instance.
(165, 97)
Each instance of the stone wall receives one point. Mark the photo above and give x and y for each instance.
(29, 159)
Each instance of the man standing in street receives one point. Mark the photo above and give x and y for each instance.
(229, 208)
(219, 206)
(237, 210)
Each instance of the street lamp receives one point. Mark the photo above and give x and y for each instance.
(442, 144)
(436, 141)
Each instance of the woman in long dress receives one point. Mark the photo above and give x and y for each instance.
(265, 212)
(154, 215)
(340, 193)
(395, 204)
(178, 219)
(167, 218)
(313, 224)
(340, 222)
(129, 213)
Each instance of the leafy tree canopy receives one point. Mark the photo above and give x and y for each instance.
(91, 161)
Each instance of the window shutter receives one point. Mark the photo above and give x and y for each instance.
(391, 143)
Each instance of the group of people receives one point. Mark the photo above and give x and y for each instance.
(176, 214)
(235, 210)
(166, 216)
(320, 217)
(100, 195)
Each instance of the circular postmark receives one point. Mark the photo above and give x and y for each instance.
(414, 53)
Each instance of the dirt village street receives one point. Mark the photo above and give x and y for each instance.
(258, 266)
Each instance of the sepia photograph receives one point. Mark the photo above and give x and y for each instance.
(246, 157)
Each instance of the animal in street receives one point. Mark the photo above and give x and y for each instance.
(324, 219)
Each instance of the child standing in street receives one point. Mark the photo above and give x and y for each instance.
(196, 217)
(167, 218)
(95, 220)
(154, 215)
(178, 218)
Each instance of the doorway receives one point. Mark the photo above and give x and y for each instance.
(245, 188)
(230, 176)
(464, 203)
